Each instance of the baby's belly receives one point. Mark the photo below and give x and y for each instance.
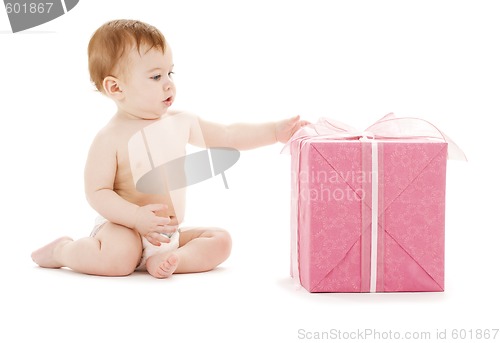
(175, 202)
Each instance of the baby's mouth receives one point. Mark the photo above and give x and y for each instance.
(168, 101)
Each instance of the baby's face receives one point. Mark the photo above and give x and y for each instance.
(147, 85)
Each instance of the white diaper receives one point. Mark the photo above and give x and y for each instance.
(148, 249)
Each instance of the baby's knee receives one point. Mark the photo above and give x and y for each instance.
(122, 265)
(124, 253)
(223, 241)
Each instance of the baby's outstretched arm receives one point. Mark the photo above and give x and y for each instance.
(100, 172)
(244, 136)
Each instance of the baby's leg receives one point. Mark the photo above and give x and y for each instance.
(114, 251)
(200, 250)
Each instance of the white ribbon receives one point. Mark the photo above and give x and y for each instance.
(367, 136)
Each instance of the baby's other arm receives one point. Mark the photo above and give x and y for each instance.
(244, 136)
(100, 171)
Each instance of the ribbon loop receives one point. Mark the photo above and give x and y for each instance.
(366, 136)
(388, 127)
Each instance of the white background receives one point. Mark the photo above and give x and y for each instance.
(248, 61)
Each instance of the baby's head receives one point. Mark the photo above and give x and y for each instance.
(108, 47)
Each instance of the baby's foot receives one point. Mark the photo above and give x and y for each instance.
(162, 266)
(44, 256)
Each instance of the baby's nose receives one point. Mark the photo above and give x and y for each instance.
(167, 85)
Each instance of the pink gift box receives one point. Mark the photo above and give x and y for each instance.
(368, 214)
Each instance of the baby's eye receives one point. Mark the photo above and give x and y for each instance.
(170, 74)
(156, 77)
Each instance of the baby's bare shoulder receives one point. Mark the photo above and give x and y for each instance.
(106, 136)
(107, 141)
(115, 132)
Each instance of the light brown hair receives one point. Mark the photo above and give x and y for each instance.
(109, 43)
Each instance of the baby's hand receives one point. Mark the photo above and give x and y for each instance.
(151, 226)
(286, 128)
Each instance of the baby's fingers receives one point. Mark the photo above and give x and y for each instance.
(162, 221)
(156, 207)
(156, 238)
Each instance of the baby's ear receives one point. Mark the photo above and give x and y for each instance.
(111, 86)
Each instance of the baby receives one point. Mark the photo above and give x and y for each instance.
(131, 63)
